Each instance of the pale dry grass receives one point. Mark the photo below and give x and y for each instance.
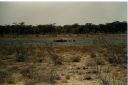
(77, 62)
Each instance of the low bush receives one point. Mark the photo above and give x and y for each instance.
(4, 76)
(21, 54)
(53, 76)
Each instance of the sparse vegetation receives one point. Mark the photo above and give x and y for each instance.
(112, 57)
(115, 54)
(49, 64)
(56, 60)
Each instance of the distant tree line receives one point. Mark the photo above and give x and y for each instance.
(21, 28)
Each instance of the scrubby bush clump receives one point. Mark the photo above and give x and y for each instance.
(4, 76)
(53, 76)
(115, 54)
(21, 54)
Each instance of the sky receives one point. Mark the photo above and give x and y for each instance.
(62, 13)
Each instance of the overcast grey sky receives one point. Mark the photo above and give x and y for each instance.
(62, 12)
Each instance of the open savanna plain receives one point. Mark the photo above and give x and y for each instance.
(64, 60)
